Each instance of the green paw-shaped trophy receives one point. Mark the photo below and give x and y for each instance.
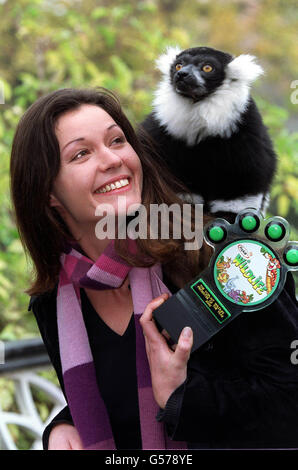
(247, 271)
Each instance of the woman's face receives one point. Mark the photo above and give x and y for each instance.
(95, 158)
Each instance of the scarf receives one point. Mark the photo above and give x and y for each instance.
(86, 405)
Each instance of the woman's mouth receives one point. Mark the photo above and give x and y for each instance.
(115, 186)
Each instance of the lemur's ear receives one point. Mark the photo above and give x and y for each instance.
(244, 68)
(165, 60)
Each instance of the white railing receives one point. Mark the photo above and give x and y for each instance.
(23, 361)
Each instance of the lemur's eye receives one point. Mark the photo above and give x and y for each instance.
(178, 66)
(207, 68)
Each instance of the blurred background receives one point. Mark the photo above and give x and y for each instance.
(51, 44)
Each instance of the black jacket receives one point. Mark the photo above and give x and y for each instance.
(242, 387)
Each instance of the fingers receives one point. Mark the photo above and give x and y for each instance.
(184, 345)
(76, 443)
(149, 328)
(166, 334)
(154, 338)
(147, 315)
(64, 437)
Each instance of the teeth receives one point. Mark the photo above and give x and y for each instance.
(115, 185)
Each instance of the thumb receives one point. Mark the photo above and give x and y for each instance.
(184, 345)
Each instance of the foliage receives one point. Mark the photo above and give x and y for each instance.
(284, 193)
(50, 44)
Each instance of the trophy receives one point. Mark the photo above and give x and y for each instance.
(247, 272)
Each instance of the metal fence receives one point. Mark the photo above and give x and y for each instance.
(21, 364)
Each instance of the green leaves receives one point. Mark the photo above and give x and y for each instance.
(122, 75)
(47, 45)
(52, 44)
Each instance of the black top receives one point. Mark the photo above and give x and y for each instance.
(116, 375)
(241, 389)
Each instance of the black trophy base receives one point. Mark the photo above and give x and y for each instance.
(182, 310)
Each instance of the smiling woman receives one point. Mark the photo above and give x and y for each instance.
(69, 147)
(100, 166)
(76, 150)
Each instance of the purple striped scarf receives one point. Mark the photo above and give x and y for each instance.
(83, 395)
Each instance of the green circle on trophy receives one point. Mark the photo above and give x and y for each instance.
(246, 272)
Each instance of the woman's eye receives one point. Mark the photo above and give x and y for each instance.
(119, 140)
(79, 155)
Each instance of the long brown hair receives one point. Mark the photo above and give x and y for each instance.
(35, 163)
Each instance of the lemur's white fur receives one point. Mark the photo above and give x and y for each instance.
(236, 205)
(218, 114)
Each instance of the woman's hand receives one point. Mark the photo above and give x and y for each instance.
(64, 437)
(168, 368)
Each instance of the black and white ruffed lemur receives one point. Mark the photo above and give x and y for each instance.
(209, 131)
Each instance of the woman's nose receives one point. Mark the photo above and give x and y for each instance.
(106, 159)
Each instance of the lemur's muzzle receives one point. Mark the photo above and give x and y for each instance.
(188, 82)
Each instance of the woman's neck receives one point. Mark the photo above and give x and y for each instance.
(92, 246)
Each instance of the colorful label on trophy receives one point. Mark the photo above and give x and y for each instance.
(246, 272)
(210, 301)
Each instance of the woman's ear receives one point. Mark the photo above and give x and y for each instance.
(54, 201)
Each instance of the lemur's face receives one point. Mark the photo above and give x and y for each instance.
(197, 72)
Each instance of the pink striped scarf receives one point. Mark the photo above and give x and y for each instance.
(83, 395)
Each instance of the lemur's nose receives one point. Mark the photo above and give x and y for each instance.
(185, 72)
(182, 73)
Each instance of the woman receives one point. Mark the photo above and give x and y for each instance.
(73, 152)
